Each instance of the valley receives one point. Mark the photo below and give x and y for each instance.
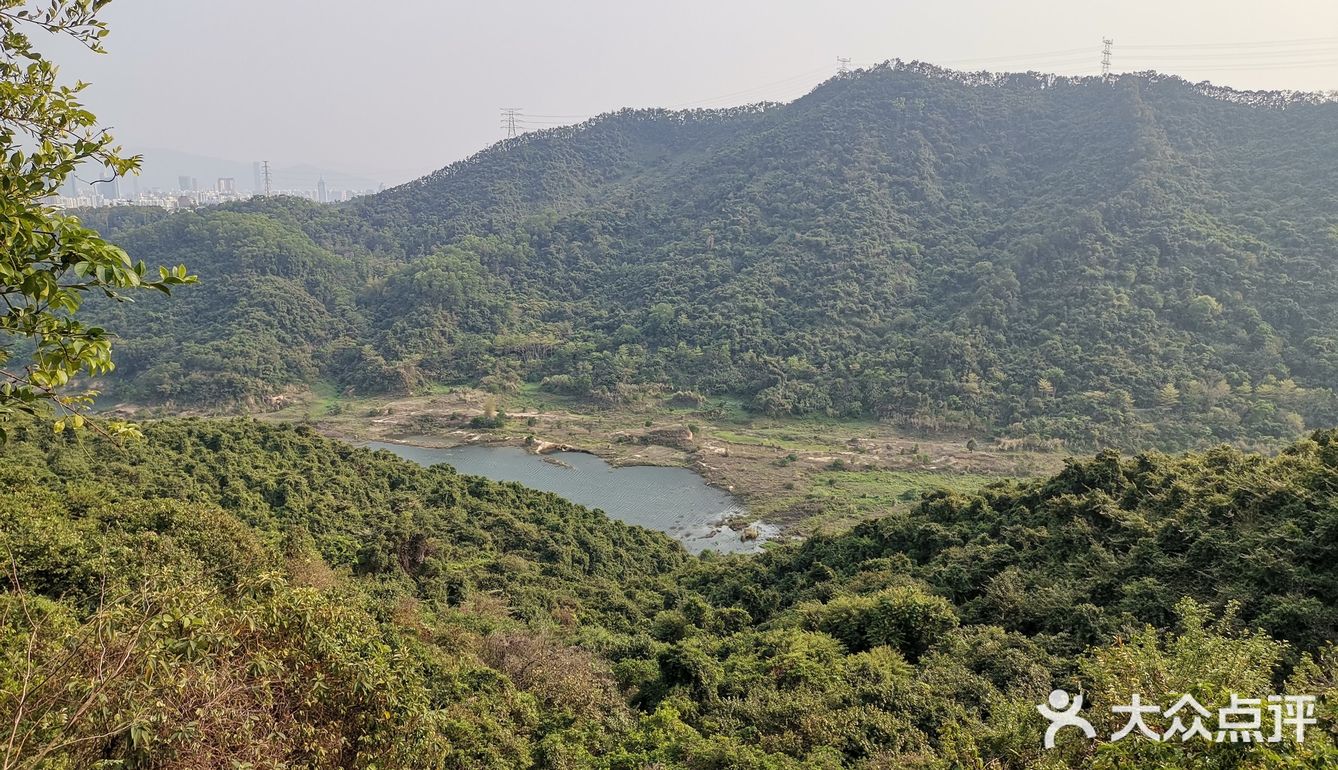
(804, 475)
(870, 430)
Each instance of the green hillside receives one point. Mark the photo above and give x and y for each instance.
(231, 594)
(821, 307)
(1130, 263)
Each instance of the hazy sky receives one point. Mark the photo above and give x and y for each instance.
(395, 88)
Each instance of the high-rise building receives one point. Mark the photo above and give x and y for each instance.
(321, 192)
(184, 183)
(110, 189)
(227, 185)
(258, 185)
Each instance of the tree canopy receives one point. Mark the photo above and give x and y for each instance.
(286, 600)
(1129, 263)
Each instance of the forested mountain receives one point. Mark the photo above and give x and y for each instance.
(230, 594)
(1134, 262)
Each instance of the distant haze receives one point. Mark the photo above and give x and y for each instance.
(387, 91)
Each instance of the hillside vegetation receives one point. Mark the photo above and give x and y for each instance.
(1129, 263)
(228, 594)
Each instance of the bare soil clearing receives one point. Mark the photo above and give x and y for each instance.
(812, 475)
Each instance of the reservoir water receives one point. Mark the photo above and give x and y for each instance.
(672, 500)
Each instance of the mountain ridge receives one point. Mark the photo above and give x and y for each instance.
(1022, 254)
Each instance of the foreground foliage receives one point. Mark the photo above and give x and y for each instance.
(51, 261)
(230, 594)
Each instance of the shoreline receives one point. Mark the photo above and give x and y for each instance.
(749, 527)
(806, 476)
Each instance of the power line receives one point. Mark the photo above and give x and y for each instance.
(1086, 62)
(1259, 54)
(1263, 52)
(1254, 67)
(1261, 57)
(807, 75)
(267, 178)
(1246, 44)
(514, 121)
(1069, 52)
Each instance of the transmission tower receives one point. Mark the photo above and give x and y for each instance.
(509, 117)
(1106, 44)
(265, 165)
(843, 64)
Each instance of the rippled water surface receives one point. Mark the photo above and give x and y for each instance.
(672, 500)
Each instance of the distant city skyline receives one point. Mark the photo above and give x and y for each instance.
(400, 92)
(165, 169)
(189, 190)
(119, 192)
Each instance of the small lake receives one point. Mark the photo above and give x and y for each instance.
(676, 501)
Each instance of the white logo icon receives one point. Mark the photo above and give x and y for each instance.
(1063, 712)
